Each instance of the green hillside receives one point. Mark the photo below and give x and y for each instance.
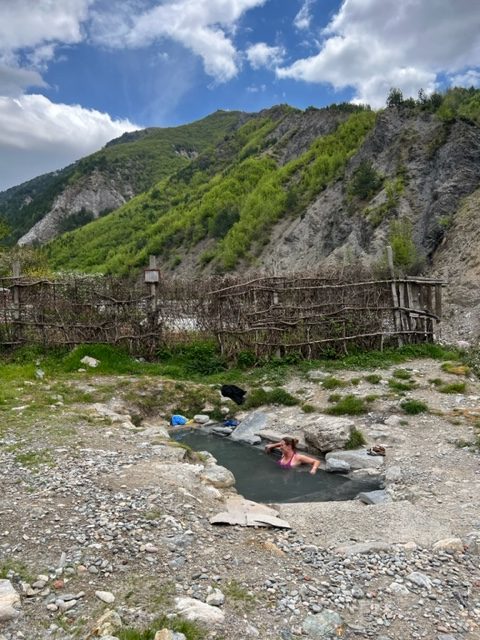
(139, 159)
(228, 201)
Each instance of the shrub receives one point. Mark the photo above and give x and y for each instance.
(454, 387)
(308, 408)
(334, 397)
(246, 359)
(365, 181)
(200, 357)
(190, 630)
(260, 397)
(396, 385)
(413, 407)
(405, 254)
(402, 374)
(333, 383)
(373, 378)
(356, 440)
(348, 405)
(456, 368)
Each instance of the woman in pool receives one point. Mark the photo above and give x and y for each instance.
(290, 457)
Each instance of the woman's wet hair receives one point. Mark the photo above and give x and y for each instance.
(291, 442)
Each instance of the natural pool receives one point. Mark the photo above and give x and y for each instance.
(258, 476)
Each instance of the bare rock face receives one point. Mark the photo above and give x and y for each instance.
(95, 194)
(327, 433)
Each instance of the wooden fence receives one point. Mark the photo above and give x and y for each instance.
(270, 315)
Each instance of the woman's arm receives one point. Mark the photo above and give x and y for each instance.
(272, 445)
(308, 460)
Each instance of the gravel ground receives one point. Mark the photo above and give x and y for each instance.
(104, 519)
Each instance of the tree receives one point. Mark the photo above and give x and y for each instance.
(395, 98)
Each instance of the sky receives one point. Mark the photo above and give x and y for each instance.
(75, 74)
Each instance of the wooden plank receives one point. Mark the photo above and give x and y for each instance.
(438, 301)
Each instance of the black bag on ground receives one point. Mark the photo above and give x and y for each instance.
(233, 392)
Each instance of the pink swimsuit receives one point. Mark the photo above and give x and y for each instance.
(288, 464)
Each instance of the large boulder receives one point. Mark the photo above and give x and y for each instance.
(218, 476)
(249, 428)
(327, 433)
(198, 611)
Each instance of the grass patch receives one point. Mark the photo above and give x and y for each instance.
(402, 374)
(354, 381)
(308, 408)
(456, 368)
(413, 407)
(13, 567)
(238, 595)
(334, 397)
(260, 397)
(348, 406)
(454, 387)
(34, 458)
(373, 378)
(333, 383)
(437, 382)
(190, 630)
(397, 385)
(356, 440)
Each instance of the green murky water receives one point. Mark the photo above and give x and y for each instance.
(259, 477)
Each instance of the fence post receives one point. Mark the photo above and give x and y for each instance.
(16, 270)
(397, 321)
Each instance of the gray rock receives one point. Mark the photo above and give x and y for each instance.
(398, 588)
(105, 596)
(215, 598)
(327, 433)
(420, 579)
(374, 497)
(201, 418)
(90, 362)
(9, 601)
(334, 465)
(197, 611)
(363, 547)
(326, 624)
(248, 430)
(218, 476)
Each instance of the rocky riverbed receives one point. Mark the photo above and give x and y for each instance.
(105, 525)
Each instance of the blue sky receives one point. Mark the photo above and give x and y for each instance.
(77, 73)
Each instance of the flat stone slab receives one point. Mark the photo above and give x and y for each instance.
(357, 459)
(247, 513)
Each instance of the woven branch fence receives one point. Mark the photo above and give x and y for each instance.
(309, 315)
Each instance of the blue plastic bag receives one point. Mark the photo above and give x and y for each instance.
(177, 420)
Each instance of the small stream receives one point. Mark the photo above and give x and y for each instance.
(259, 478)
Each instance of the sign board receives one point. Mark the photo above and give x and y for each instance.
(151, 275)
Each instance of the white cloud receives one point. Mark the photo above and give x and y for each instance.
(13, 81)
(37, 135)
(376, 44)
(202, 26)
(27, 23)
(470, 78)
(262, 55)
(303, 18)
